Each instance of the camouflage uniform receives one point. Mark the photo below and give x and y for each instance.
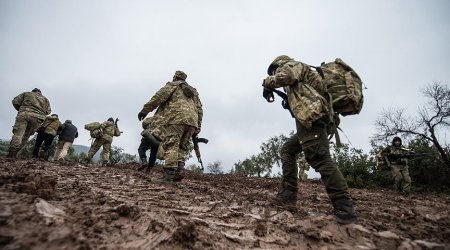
(399, 166)
(109, 131)
(182, 117)
(305, 90)
(32, 108)
(47, 132)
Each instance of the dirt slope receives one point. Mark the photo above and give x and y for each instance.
(51, 206)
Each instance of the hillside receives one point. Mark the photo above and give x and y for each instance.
(49, 206)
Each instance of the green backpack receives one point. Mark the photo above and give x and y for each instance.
(94, 129)
(344, 87)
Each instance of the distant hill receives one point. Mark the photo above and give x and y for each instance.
(85, 149)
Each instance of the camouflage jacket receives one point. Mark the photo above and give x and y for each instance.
(33, 104)
(304, 88)
(174, 105)
(109, 130)
(394, 154)
(51, 125)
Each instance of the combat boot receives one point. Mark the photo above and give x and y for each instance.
(179, 173)
(169, 175)
(143, 164)
(287, 196)
(344, 211)
(105, 163)
(12, 153)
(86, 160)
(43, 155)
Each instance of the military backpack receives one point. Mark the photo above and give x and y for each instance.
(95, 129)
(344, 87)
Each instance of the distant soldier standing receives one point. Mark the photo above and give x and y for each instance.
(32, 108)
(183, 118)
(399, 165)
(109, 130)
(65, 139)
(305, 90)
(45, 134)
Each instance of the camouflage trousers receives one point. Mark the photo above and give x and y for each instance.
(176, 143)
(99, 142)
(23, 128)
(315, 146)
(401, 177)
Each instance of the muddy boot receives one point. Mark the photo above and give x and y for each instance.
(12, 153)
(43, 155)
(286, 197)
(143, 164)
(344, 211)
(105, 164)
(86, 160)
(179, 173)
(149, 168)
(169, 175)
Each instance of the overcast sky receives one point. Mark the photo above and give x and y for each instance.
(100, 59)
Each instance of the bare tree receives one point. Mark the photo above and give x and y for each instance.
(430, 117)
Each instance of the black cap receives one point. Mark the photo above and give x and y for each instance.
(36, 90)
(111, 119)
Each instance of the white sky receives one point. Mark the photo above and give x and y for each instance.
(96, 59)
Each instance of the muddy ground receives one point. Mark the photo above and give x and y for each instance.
(47, 205)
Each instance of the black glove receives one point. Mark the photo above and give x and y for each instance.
(268, 94)
(141, 116)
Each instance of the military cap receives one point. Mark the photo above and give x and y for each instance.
(180, 75)
(277, 62)
(111, 119)
(68, 121)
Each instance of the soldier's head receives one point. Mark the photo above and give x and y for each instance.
(55, 115)
(277, 62)
(179, 75)
(397, 141)
(36, 90)
(68, 121)
(111, 119)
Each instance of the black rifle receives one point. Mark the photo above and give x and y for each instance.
(268, 95)
(115, 124)
(409, 155)
(196, 140)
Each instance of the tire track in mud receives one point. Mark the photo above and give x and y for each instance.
(120, 208)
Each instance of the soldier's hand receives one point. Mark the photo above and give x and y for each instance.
(268, 94)
(141, 116)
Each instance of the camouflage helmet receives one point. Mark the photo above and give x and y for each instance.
(180, 75)
(396, 139)
(277, 62)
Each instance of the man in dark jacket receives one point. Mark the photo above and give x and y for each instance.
(45, 135)
(68, 134)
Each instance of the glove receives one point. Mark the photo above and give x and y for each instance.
(268, 95)
(141, 116)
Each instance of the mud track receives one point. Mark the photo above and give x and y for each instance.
(69, 206)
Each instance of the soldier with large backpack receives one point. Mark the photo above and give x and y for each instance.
(103, 134)
(309, 102)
